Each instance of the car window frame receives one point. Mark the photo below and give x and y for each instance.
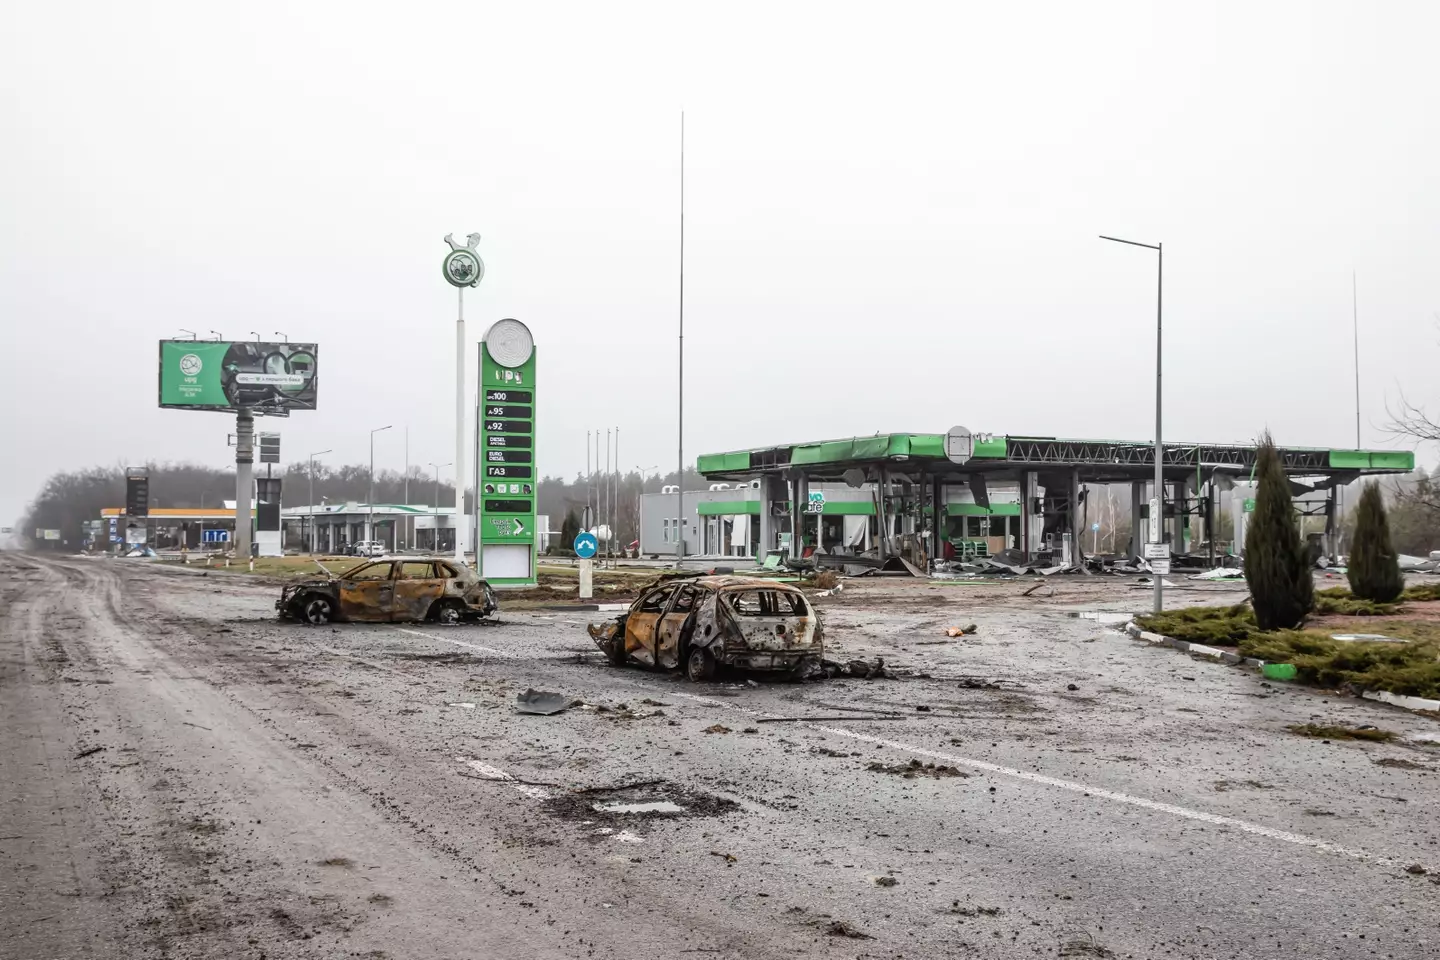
(402, 564)
(374, 563)
(664, 602)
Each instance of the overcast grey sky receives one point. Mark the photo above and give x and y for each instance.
(891, 217)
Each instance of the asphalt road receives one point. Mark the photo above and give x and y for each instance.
(182, 776)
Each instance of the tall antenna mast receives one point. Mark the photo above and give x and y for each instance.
(680, 487)
(1355, 319)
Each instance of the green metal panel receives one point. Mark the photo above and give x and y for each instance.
(1392, 460)
(1372, 459)
(716, 462)
(870, 448)
(1349, 459)
(994, 448)
(829, 452)
(728, 508)
(927, 445)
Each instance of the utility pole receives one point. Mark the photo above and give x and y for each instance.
(244, 463)
(1157, 502)
(435, 508)
(313, 537)
(680, 437)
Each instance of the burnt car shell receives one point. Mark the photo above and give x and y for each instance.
(391, 589)
(699, 623)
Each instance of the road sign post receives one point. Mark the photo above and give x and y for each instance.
(586, 545)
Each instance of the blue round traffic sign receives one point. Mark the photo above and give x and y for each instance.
(586, 545)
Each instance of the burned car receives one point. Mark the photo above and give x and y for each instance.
(705, 622)
(392, 589)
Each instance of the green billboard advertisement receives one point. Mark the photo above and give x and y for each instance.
(505, 511)
(265, 378)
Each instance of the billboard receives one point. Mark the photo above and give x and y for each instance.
(265, 378)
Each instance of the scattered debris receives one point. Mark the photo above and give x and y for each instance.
(915, 769)
(88, 752)
(960, 911)
(967, 631)
(542, 703)
(467, 706)
(1329, 732)
(717, 728)
(885, 881)
(863, 669)
(1071, 686)
(729, 858)
(1416, 870)
(1401, 764)
(979, 683)
(1083, 946)
(839, 928)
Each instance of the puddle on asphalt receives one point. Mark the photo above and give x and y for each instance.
(653, 806)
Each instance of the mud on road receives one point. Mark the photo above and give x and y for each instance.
(183, 776)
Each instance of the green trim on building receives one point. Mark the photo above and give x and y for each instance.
(727, 508)
(975, 510)
(849, 508)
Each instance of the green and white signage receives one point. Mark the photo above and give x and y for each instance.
(505, 512)
(219, 375)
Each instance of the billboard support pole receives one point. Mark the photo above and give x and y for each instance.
(244, 459)
(461, 520)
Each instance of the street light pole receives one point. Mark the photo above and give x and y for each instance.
(312, 496)
(370, 500)
(1157, 515)
(435, 508)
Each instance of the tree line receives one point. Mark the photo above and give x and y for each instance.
(68, 498)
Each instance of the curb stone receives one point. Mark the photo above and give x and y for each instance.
(1413, 704)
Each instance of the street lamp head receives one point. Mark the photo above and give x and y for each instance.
(378, 429)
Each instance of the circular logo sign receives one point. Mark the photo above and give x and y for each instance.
(190, 365)
(509, 342)
(463, 268)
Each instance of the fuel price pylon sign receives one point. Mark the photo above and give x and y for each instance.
(505, 506)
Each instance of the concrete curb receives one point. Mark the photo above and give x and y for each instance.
(1413, 704)
(587, 607)
(1134, 630)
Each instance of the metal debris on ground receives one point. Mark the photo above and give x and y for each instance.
(839, 928)
(966, 631)
(717, 728)
(863, 669)
(915, 769)
(541, 703)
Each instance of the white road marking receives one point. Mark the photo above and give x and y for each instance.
(1071, 786)
(369, 663)
(458, 643)
(537, 793)
(485, 770)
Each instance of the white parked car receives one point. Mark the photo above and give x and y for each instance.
(367, 548)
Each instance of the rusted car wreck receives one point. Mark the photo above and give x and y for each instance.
(388, 590)
(706, 622)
